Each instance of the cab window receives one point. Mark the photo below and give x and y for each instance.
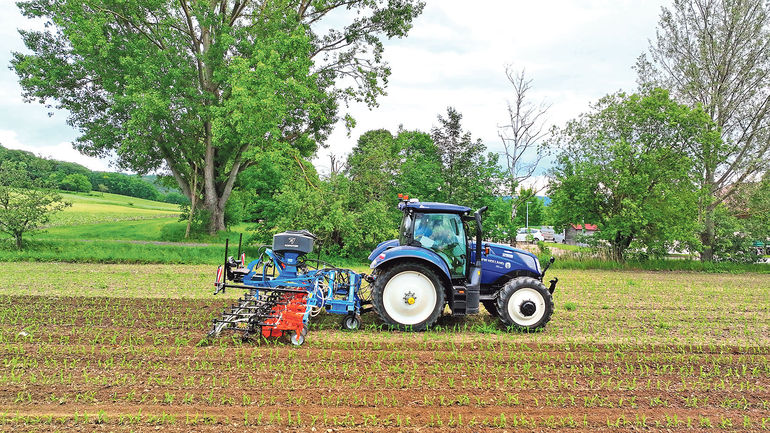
(444, 234)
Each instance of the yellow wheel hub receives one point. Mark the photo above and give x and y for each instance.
(410, 301)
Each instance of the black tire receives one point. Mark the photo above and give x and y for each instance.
(351, 322)
(533, 304)
(297, 340)
(381, 305)
(491, 307)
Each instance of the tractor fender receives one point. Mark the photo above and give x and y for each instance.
(382, 246)
(391, 255)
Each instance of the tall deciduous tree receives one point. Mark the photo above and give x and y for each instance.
(470, 174)
(168, 84)
(716, 53)
(625, 166)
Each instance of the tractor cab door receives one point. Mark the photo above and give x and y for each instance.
(443, 234)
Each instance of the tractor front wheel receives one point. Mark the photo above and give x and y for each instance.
(525, 303)
(408, 296)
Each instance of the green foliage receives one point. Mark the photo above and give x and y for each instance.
(183, 84)
(758, 206)
(24, 207)
(52, 174)
(625, 167)
(271, 172)
(470, 177)
(715, 55)
(175, 198)
(731, 241)
(75, 182)
(344, 225)
(41, 171)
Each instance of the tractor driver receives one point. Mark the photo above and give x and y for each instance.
(435, 233)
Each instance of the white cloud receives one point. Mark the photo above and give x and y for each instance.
(575, 52)
(62, 151)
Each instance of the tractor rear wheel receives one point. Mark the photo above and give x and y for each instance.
(408, 296)
(525, 303)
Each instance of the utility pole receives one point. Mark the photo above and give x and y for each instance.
(528, 216)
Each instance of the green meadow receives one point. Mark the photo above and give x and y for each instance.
(110, 228)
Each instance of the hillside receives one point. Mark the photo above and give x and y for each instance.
(75, 177)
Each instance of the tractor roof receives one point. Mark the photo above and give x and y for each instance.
(431, 207)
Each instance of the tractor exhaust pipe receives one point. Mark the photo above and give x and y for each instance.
(477, 216)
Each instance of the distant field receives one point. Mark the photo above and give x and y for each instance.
(96, 208)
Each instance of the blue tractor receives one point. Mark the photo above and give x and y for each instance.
(440, 258)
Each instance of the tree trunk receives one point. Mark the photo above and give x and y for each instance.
(193, 196)
(708, 236)
(216, 214)
(18, 240)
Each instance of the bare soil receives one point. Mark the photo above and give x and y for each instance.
(122, 364)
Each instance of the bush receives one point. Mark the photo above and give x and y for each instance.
(75, 182)
(176, 198)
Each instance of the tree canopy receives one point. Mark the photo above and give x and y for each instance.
(626, 167)
(174, 85)
(24, 206)
(716, 55)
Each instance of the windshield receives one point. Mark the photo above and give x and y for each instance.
(444, 234)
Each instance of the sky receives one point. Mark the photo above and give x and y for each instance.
(575, 51)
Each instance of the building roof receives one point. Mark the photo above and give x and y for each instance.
(589, 227)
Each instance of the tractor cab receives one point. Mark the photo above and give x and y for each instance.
(441, 229)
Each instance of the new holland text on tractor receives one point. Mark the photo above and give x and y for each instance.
(439, 259)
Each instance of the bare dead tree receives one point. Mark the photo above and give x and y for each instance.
(336, 164)
(522, 136)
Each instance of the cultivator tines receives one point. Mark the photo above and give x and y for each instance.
(269, 311)
(287, 315)
(285, 290)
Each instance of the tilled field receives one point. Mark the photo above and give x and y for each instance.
(136, 364)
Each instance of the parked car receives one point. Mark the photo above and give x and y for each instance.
(559, 238)
(529, 235)
(548, 233)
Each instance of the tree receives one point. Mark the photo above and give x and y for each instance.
(522, 138)
(470, 176)
(759, 209)
(75, 182)
(625, 166)
(168, 84)
(24, 208)
(420, 172)
(716, 54)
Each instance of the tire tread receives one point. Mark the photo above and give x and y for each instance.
(379, 286)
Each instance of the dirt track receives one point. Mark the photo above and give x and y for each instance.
(101, 364)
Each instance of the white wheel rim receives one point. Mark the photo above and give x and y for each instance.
(297, 341)
(518, 298)
(405, 286)
(352, 323)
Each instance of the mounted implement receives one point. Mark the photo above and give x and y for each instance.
(285, 289)
(440, 258)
